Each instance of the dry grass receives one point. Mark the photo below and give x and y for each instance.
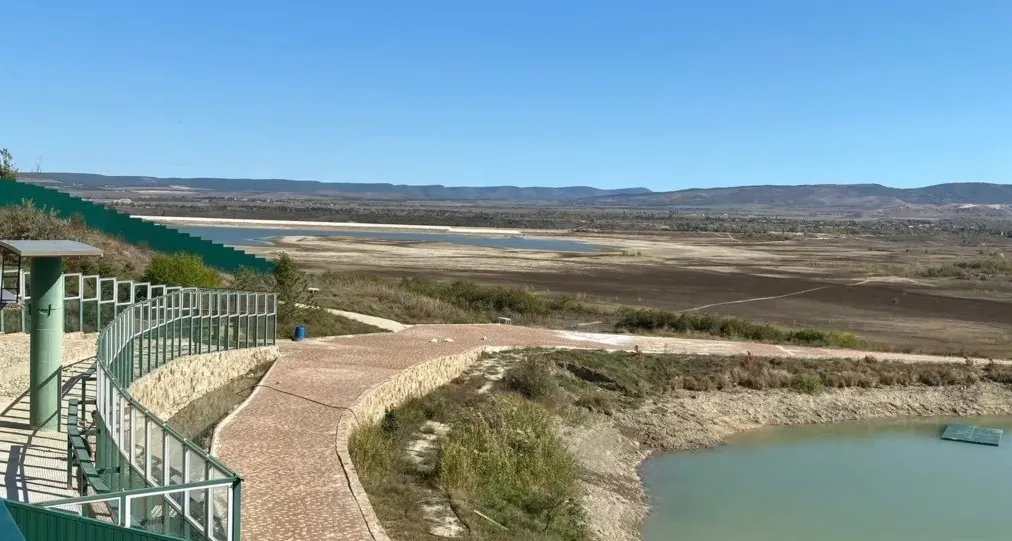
(383, 298)
(635, 377)
(652, 320)
(319, 322)
(983, 268)
(417, 300)
(502, 458)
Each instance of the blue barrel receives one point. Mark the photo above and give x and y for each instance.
(300, 333)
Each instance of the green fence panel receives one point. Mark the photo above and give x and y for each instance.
(38, 524)
(132, 230)
(9, 530)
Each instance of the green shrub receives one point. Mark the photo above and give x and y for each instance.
(372, 452)
(510, 301)
(807, 383)
(998, 373)
(292, 287)
(379, 297)
(974, 269)
(181, 269)
(531, 378)
(653, 320)
(26, 221)
(319, 322)
(390, 423)
(503, 457)
(250, 280)
(8, 170)
(596, 402)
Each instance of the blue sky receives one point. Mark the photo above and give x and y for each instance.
(666, 94)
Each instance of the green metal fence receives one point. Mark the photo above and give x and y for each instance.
(37, 524)
(132, 230)
(142, 473)
(89, 301)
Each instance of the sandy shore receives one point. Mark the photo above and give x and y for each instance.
(613, 449)
(300, 224)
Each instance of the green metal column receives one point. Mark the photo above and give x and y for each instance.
(46, 342)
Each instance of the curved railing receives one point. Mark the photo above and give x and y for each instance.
(142, 473)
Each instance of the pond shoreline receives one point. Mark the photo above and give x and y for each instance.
(298, 224)
(613, 449)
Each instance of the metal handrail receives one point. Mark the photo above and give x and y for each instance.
(134, 493)
(140, 339)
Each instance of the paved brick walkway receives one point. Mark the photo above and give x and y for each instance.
(282, 441)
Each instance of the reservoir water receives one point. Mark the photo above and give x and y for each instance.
(244, 236)
(876, 481)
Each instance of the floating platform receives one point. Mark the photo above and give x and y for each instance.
(973, 434)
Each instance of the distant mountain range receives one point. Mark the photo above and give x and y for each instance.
(845, 197)
(822, 196)
(336, 189)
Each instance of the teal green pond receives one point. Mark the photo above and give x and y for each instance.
(871, 481)
(248, 236)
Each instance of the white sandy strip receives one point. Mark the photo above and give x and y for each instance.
(242, 222)
(617, 340)
(385, 324)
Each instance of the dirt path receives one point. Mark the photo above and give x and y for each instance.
(754, 299)
(378, 322)
(282, 441)
(873, 279)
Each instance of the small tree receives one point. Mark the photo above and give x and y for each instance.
(248, 279)
(291, 285)
(181, 269)
(8, 171)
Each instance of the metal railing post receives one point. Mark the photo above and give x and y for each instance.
(147, 335)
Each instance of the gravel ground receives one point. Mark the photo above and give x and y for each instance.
(14, 350)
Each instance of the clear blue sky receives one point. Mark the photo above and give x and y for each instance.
(663, 94)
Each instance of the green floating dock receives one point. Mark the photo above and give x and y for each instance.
(973, 434)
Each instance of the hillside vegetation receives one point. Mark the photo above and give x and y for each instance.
(985, 268)
(418, 300)
(660, 321)
(823, 196)
(421, 301)
(129, 262)
(119, 258)
(297, 305)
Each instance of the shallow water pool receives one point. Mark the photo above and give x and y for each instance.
(247, 236)
(875, 481)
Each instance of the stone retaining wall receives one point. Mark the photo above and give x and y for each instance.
(170, 388)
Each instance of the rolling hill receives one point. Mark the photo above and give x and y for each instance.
(71, 181)
(838, 197)
(814, 197)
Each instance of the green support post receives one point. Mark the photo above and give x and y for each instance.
(46, 323)
(46, 343)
